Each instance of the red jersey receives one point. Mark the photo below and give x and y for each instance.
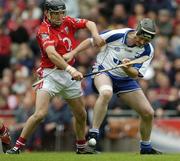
(62, 38)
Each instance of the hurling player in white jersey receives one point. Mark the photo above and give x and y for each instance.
(121, 46)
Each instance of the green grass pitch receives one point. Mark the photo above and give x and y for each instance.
(68, 156)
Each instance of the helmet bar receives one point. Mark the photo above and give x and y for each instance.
(59, 10)
(153, 33)
(145, 34)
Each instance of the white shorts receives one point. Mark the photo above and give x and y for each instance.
(60, 83)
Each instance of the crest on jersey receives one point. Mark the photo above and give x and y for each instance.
(117, 49)
(66, 29)
(44, 36)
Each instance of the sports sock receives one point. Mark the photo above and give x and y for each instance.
(94, 130)
(145, 145)
(94, 133)
(20, 143)
(80, 144)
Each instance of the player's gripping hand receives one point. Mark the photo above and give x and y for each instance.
(76, 75)
(124, 61)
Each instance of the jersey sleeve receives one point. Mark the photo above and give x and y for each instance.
(142, 68)
(43, 36)
(110, 36)
(77, 23)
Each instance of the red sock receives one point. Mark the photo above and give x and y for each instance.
(2, 130)
(20, 143)
(80, 144)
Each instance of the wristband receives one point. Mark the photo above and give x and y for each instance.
(70, 69)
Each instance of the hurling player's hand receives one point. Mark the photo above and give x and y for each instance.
(98, 41)
(68, 56)
(77, 75)
(126, 60)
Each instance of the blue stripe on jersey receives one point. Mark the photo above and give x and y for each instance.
(138, 66)
(103, 32)
(147, 50)
(114, 37)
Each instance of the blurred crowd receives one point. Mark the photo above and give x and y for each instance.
(20, 57)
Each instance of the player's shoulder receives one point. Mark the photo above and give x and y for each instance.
(123, 30)
(149, 48)
(72, 20)
(43, 28)
(68, 19)
(119, 31)
(149, 45)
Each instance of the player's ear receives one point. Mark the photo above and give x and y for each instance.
(45, 12)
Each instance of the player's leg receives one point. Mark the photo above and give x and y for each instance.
(138, 101)
(103, 84)
(78, 108)
(42, 101)
(73, 95)
(5, 137)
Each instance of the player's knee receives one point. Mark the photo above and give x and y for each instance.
(148, 114)
(106, 92)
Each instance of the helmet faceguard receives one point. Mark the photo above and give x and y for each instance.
(146, 29)
(56, 9)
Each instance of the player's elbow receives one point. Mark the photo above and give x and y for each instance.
(133, 74)
(51, 55)
(90, 23)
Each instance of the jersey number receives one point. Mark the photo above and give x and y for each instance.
(67, 41)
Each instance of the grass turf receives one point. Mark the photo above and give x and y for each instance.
(67, 156)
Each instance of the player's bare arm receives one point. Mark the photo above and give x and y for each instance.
(98, 41)
(61, 63)
(56, 58)
(81, 47)
(130, 71)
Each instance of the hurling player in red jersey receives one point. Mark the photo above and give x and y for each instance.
(56, 38)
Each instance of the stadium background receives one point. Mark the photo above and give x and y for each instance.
(19, 59)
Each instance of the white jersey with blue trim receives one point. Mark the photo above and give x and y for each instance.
(116, 50)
